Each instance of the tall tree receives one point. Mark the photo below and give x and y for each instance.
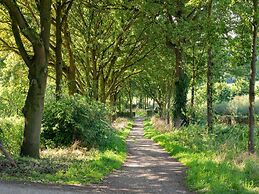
(209, 71)
(251, 147)
(58, 48)
(37, 64)
(71, 70)
(62, 8)
(178, 15)
(110, 44)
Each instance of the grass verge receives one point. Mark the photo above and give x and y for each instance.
(71, 165)
(216, 163)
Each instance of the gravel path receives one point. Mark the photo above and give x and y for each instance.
(148, 169)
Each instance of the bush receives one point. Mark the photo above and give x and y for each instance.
(11, 133)
(241, 87)
(223, 92)
(75, 119)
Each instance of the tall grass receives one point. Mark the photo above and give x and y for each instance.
(239, 105)
(216, 163)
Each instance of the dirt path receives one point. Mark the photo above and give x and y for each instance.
(148, 169)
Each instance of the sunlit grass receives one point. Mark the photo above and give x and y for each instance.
(70, 165)
(216, 165)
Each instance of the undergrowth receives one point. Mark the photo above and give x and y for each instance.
(73, 165)
(217, 163)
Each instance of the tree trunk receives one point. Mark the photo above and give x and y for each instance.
(58, 51)
(161, 111)
(193, 81)
(102, 92)
(148, 102)
(142, 102)
(192, 93)
(153, 105)
(169, 104)
(120, 104)
(209, 92)
(209, 76)
(33, 108)
(130, 104)
(181, 89)
(71, 77)
(95, 85)
(251, 147)
(193, 84)
(38, 69)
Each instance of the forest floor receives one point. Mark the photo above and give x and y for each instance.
(148, 169)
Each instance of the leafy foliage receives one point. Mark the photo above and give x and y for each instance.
(12, 86)
(75, 118)
(11, 131)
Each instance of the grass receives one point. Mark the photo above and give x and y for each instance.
(70, 165)
(217, 163)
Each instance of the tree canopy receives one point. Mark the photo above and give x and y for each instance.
(164, 50)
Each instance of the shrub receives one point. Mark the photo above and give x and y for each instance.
(241, 87)
(75, 119)
(11, 133)
(223, 92)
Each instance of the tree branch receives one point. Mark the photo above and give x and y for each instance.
(16, 15)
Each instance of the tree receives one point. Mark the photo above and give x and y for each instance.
(71, 69)
(37, 64)
(110, 44)
(62, 8)
(251, 147)
(178, 17)
(156, 79)
(58, 48)
(209, 71)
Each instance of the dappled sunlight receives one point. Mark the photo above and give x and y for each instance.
(148, 169)
(213, 168)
